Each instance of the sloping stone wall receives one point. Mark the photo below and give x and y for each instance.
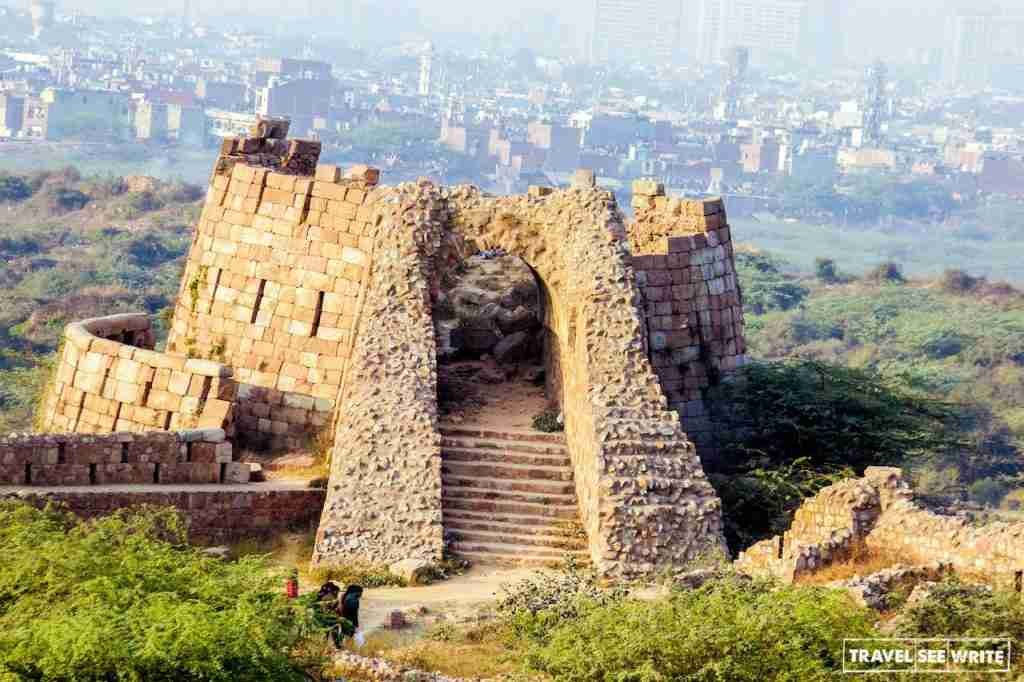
(272, 288)
(683, 257)
(108, 378)
(878, 510)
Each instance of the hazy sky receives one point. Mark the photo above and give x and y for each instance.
(883, 27)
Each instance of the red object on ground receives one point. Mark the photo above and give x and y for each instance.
(291, 588)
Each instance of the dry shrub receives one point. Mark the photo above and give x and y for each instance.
(859, 559)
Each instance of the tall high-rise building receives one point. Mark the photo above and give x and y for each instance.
(970, 36)
(626, 30)
(765, 26)
(426, 70)
(42, 12)
(874, 103)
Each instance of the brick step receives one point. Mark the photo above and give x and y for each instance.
(516, 554)
(507, 507)
(539, 492)
(515, 435)
(525, 539)
(504, 470)
(460, 454)
(465, 518)
(499, 445)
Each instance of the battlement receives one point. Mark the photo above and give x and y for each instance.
(659, 218)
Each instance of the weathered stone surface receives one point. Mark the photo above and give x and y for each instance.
(512, 348)
(413, 571)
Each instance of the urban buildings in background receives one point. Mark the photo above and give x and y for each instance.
(772, 103)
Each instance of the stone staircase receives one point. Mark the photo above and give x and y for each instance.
(508, 496)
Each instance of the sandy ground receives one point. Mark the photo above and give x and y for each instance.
(509, 404)
(460, 594)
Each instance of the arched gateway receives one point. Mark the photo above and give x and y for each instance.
(315, 287)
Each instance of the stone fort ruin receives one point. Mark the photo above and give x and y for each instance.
(307, 306)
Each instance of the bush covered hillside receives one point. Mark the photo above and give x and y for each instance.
(73, 247)
(872, 369)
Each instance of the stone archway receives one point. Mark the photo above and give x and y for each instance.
(643, 497)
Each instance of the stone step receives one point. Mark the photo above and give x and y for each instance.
(517, 554)
(526, 539)
(467, 518)
(535, 492)
(517, 560)
(555, 528)
(498, 445)
(506, 507)
(508, 434)
(504, 470)
(460, 454)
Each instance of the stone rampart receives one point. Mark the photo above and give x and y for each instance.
(316, 288)
(155, 457)
(108, 378)
(214, 514)
(878, 511)
(683, 258)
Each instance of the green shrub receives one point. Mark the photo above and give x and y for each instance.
(729, 629)
(548, 422)
(765, 286)
(886, 272)
(123, 597)
(14, 188)
(787, 429)
(953, 608)
(988, 491)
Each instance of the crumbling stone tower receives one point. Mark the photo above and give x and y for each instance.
(315, 287)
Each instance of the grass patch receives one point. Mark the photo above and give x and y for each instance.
(547, 422)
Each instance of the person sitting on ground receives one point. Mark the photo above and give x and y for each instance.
(327, 613)
(350, 608)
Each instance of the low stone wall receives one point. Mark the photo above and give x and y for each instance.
(201, 456)
(215, 515)
(109, 378)
(878, 510)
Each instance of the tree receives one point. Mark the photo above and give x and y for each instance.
(825, 270)
(787, 429)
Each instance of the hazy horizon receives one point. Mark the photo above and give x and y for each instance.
(884, 28)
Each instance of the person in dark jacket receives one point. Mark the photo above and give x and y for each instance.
(350, 604)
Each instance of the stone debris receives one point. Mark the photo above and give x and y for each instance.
(875, 591)
(381, 670)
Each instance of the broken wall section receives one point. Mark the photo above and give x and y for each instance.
(878, 510)
(692, 304)
(109, 378)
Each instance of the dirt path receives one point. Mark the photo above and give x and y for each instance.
(461, 594)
